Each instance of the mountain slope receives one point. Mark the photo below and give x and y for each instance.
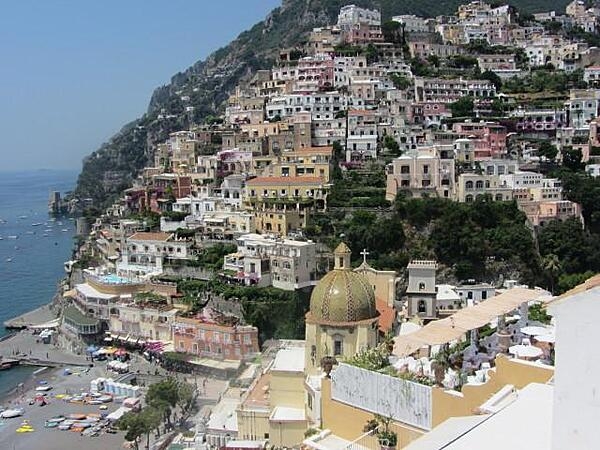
(110, 169)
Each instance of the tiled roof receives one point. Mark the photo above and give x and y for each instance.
(386, 315)
(284, 180)
(144, 236)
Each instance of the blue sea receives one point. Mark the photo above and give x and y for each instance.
(31, 256)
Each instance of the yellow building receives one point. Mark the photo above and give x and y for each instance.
(280, 221)
(294, 192)
(305, 162)
(274, 406)
(343, 318)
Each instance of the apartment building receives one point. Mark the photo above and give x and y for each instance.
(266, 260)
(449, 91)
(208, 339)
(470, 186)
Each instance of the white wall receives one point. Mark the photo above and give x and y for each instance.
(577, 369)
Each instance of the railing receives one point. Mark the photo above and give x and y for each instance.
(366, 441)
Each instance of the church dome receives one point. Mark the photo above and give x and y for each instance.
(343, 295)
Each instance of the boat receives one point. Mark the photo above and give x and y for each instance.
(64, 230)
(9, 259)
(13, 236)
(22, 217)
(10, 413)
(37, 224)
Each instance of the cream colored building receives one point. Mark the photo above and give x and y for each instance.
(470, 186)
(420, 173)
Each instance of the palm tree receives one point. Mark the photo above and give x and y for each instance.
(551, 267)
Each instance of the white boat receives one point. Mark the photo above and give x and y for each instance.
(10, 413)
(37, 224)
(44, 388)
(14, 236)
(64, 230)
(9, 259)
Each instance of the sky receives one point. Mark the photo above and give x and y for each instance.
(72, 72)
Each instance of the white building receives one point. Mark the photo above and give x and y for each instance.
(593, 170)
(413, 24)
(145, 253)
(265, 260)
(352, 15)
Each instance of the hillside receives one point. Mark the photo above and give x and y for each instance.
(111, 168)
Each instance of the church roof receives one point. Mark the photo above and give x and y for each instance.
(342, 248)
(343, 296)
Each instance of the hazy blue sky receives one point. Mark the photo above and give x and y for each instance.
(72, 71)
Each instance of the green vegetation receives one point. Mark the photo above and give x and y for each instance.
(545, 80)
(277, 313)
(355, 188)
(537, 313)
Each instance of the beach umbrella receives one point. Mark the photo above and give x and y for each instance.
(121, 352)
(549, 338)
(535, 330)
(92, 349)
(525, 351)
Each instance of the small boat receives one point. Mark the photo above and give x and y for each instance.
(10, 413)
(64, 230)
(9, 259)
(13, 236)
(37, 224)
(22, 217)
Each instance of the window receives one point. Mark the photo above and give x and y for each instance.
(483, 295)
(422, 307)
(337, 347)
(421, 286)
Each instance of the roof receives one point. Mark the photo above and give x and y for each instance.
(342, 248)
(144, 236)
(73, 314)
(284, 180)
(258, 395)
(289, 360)
(446, 432)
(387, 314)
(223, 416)
(343, 296)
(526, 423)
(89, 291)
(326, 150)
(458, 324)
(286, 414)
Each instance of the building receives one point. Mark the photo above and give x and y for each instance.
(421, 173)
(361, 143)
(449, 91)
(269, 261)
(343, 318)
(293, 192)
(471, 186)
(421, 291)
(206, 338)
(145, 253)
(352, 15)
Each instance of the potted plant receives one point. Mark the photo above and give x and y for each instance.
(327, 363)
(380, 427)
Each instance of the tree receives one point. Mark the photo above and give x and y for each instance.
(571, 158)
(139, 424)
(552, 268)
(434, 60)
(163, 397)
(492, 77)
(462, 107)
(547, 150)
(390, 143)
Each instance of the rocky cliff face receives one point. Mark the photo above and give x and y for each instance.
(207, 84)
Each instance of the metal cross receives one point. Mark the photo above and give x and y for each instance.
(364, 254)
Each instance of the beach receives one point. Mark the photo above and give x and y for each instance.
(35, 415)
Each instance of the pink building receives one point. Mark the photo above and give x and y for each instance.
(314, 73)
(489, 137)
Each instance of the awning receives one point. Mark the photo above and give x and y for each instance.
(458, 324)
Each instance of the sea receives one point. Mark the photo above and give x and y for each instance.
(33, 248)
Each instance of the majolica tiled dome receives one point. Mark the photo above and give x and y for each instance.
(343, 295)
